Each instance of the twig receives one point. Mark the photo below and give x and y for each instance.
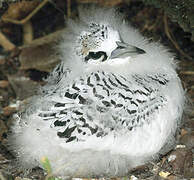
(187, 72)
(27, 32)
(68, 8)
(87, 1)
(168, 34)
(27, 18)
(5, 43)
(27, 28)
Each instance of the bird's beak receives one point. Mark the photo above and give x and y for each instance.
(125, 50)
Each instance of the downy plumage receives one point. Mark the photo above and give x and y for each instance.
(113, 103)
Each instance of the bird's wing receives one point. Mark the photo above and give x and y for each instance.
(101, 102)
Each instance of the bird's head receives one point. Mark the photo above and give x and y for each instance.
(101, 43)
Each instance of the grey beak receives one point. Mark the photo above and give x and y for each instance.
(125, 50)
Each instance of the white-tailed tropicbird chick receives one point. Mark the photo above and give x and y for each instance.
(114, 103)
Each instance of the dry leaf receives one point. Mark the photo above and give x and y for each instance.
(188, 140)
(40, 54)
(23, 86)
(183, 160)
(19, 10)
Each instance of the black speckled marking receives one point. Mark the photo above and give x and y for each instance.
(105, 94)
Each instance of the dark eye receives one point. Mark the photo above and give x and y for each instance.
(96, 56)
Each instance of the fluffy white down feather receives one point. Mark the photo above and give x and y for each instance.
(32, 138)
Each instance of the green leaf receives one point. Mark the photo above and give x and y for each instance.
(46, 165)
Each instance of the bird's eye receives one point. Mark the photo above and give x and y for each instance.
(96, 56)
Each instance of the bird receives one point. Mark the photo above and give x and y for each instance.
(113, 103)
